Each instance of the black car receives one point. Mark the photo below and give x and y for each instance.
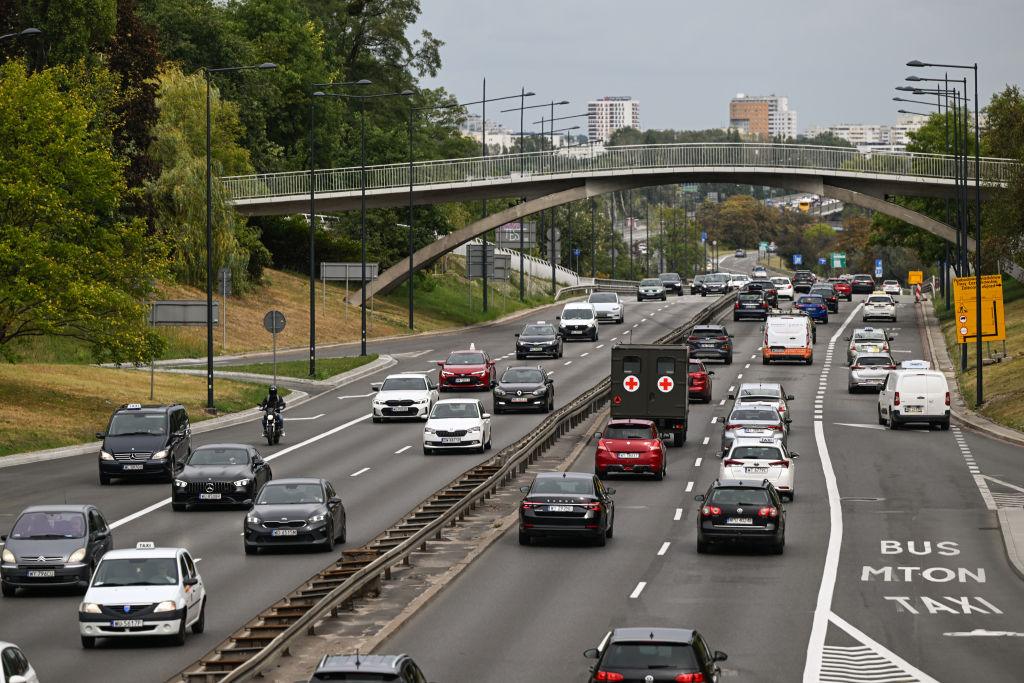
(715, 283)
(649, 654)
(710, 341)
(829, 294)
(803, 280)
(357, 667)
(697, 284)
(538, 339)
(862, 283)
(522, 388)
(53, 545)
(672, 282)
(741, 511)
(566, 504)
(144, 442)
(771, 292)
(295, 512)
(750, 305)
(220, 474)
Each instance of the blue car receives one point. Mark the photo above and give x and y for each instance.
(814, 306)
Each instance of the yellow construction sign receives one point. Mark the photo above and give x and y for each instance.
(915, 277)
(993, 324)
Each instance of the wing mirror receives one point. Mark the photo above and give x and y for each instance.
(592, 653)
(890, 337)
(101, 435)
(719, 656)
(794, 455)
(524, 489)
(558, 317)
(789, 397)
(610, 491)
(247, 503)
(375, 386)
(699, 498)
(433, 387)
(711, 373)
(440, 363)
(517, 334)
(847, 338)
(190, 581)
(486, 416)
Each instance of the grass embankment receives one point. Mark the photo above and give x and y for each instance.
(45, 405)
(1004, 381)
(325, 367)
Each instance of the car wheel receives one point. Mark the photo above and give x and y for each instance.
(664, 298)
(487, 446)
(375, 419)
(810, 361)
(88, 642)
(524, 539)
(779, 547)
(792, 496)
(611, 530)
(944, 425)
(250, 549)
(559, 353)
(520, 356)
(660, 474)
(728, 359)
(881, 420)
(702, 547)
(764, 360)
(200, 624)
(892, 423)
(8, 590)
(735, 318)
(639, 299)
(328, 544)
(850, 389)
(601, 540)
(703, 293)
(428, 451)
(179, 638)
(179, 507)
(825, 321)
(481, 449)
(344, 533)
(104, 480)
(497, 410)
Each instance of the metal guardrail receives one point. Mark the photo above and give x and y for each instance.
(599, 285)
(251, 649)
(530, 165)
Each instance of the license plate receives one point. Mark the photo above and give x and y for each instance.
(209, 496)
(40, 573)
(284, 532)
(131, 467)
(755, 470)
(707, 345)
(560, 508)
(520, 400)
(913, 409)
(753, 430)
(126, 623)
(629, 455)
(400, 409)
(451, 439)
(461, 380)
(536, 348)
(576, 332)
(740, 520)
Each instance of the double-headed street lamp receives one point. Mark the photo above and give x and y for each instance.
(208, 72)
(24, 33)
(554, 239)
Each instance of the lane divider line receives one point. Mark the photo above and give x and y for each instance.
(584, 354)
(568, 362)
(358, 472)
(638, 590)
(714, 419)
(679, 514)
(664, 548)
(599, 346)
(689, 486)
(697, 462)
(403, 449)
(706, 440)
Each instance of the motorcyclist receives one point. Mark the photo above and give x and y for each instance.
(273, 403)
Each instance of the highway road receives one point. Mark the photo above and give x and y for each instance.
(893, 561)
(379, 470)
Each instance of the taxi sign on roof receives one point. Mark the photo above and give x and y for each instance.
(145, 545)
(133, 406)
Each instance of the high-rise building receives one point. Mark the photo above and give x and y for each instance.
(762, 116)
(608, 114)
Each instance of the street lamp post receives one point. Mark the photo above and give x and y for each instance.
(30, 32)
(593, 238)
(208, 72)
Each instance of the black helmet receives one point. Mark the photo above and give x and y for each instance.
(273, 391)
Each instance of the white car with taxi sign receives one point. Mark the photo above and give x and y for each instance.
(144, 591)
(761, 458)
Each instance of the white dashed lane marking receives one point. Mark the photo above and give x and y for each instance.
(706, 440)
(599, 346)
(689, 486)
(582, 355)
(638, 590)
(697, 462)
(358, 472)
(714, 419)
(664, 548)
(403, 449)
(568, 362)
(745, 367)
(722, 402)
(679, 514)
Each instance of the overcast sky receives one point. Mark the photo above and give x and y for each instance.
(836, 61)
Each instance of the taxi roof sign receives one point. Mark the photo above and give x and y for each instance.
(134, 406)
(145, 545)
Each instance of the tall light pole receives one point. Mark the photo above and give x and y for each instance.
(208, 72)
(554, 239)
(312, 214)
(30, 32)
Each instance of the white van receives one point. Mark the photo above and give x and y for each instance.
(914, 396)
(788, 337)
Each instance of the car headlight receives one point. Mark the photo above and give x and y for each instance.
(378, 403)
(429, 430)
(498, 391)
(317, 518)
(160, 455)
(180, 483)
(421, 401)
(89, 608)
(540, 392)
(106, 456)
(253, 518)
(9, 557)
(166, 606)
(76, 556)
(242, 482)
(472, 430)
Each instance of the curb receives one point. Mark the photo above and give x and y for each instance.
(1010, 521)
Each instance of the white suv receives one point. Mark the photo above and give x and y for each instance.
(147, 591)
(403, 395)
(879, 306)
(578, 321)
(762, 458)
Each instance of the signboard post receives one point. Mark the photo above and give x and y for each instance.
(224, 280)
(346, 272)
(993, 322)
(273, 322)
(178, 312)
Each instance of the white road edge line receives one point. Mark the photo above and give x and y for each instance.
(638, 590)
(311, 417)
(358, 472)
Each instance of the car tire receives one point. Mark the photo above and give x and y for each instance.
(178, 639)
(524, 539)
(702, 547)
(344, 533)
(88, 642)
(779, 548)
(764, 360)
(8, 590)
(810, 361)
(639, 299)
(601, 540)
(703, 293)
(892, 423)
(850, 389)
(602, 475)
(792, 496)
(559, 353)
(481, 449)
(735, 318)
(519, 356)
(250, 549)
(200, 624)
(376, 420)
(881, 420)
(104, 479)
(487, 446)
(728, 359)
(611, 530)
(660, 475)
(428, 451)
(664, 298)
(328, 544)
(179, 507)
(944, 425)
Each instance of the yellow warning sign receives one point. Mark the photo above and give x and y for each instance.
(915, 277)
(965, 305)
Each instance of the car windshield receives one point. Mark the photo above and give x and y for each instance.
(874, 336)
(577, 314)
(771, 392)
(811, 300)
(717, 277)
(650, 282)
(742, 497)
(627, 432)
(565, 485)
(219, 456)
(752, 296)
(649, 655)
(823, 291)
(879, 300)
(40, 525)
(523, 376)
(466, 358)
(697, 279)
(539, 331)
(890, 282)
(603, 298)
(745, 415)
(137, 571)
(669, 277)
(755, 453)
(404, 384)
(444, 411)
(123, 424)
(290, 494)
(874, 360)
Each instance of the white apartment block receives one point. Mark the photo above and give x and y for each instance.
(608, 114)
(873, 134)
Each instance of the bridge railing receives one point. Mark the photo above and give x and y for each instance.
(512, 167)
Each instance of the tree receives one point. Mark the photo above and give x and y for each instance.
(70, 265)
(1004, 213)
(73, 30)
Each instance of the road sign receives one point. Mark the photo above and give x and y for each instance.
(915, 277)
(576, 252)
(348, 272)
(822, 260)
(630, 383)
(273, 321)
(798, 259)
(838, 259)
(507, 235)
(498, 265)
(187, 312)
(993, 323)
(665, 384)
(703, 236)
(878, 267)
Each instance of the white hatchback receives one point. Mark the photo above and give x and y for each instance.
(761, 458)
(784, 287)
(879, 306)
(402, 396)
(458, 424)
(892, 287)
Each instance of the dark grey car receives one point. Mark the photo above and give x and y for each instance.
(524, 388)
(53, 545)
(220, 474)
(295, 512)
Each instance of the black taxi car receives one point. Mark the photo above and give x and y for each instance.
(741, 511)
(144, 441)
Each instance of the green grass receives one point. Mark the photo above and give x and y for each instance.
(325, 367)
(452, 297)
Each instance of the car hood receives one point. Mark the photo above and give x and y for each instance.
(414, 395)
(215, 472)
(463, 369)
(143, 443)
(290, 512)
(523, 387)
(131, 595)
(45, 547)
(450, 424)
(576, 321)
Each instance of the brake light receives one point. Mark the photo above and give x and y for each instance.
(711, 510)
(764, 305)
(593, 507)
(890, 367)
(732, 426)
(722, 338)
(689, 678)
(692, 338)
(529, 505)
(729, 462)
(947, 398)
(608, 676)
(736, 305)
(768, 512)
(896, 399)
(779, 463)
(777, 428)
(856, 367)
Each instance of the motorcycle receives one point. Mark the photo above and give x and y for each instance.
(272, 426)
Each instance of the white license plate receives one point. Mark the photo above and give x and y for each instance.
(576, 332)
(535, 348)
(461, 380)
(913, 409)
(40, 573)
(755, 470)
(126, 623)
(284, 532)
(451, 439)
(520, 400)
(754, 430)
(131, 467)
(560, 508)
(209, 496)
(743, 521)
(629, 455)
(707, 345)
(400, 409)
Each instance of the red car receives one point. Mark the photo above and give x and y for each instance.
(842, 287)
(630, 446)
(700, 381)
(470, 369)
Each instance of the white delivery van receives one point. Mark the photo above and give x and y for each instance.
(788, 337)
(914, 396)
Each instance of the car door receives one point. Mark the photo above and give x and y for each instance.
(885, 395)
(185, 445)
(193, 594)
(609, 503)
(261, 470)
(335, 506)
(99, 537)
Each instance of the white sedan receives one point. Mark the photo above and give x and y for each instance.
(784, 287)
(16, 668)
(761, 458)
(879, 306)
(892, 287)
(402, 396)
(458, 424)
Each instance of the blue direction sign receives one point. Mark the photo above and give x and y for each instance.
(822, 261)
(576, 252)
(703, 236)
(878, 267)
(798, 259)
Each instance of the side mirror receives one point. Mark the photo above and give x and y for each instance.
(719, 656)
(524, 489)
(247, 503)
(610, 491)
(732, 397)
(375, 386)
(517, 334)
(788, 419)
(732, 336)
(3, 537)
(794, 455)
(433, 387)
(789, 397)
(17, 679)
(890, 338)
(486, 416)
(699, 498)
(190, 581)
(334, 501)
(558, 317)
(597, 435)
(847, 338)
(440, 363)
(592, 653)
(101, 435)
(711, 373)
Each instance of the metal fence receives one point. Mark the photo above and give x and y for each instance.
(540, 165)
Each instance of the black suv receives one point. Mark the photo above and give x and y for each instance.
(538, 339)
(523, 388)
(829, 293)
(398, 668)
(145, 441)
(697, 284)
(566, 505)
(862, 283)
(750, 304)
(771, 292)
(54, 545)
(741, 511)
(710, 341)
(654, 654)
(672, 281)
(803, 280)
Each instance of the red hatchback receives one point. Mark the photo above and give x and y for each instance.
(630, 446)
(843, 288)
(472, 369)
(699, 381)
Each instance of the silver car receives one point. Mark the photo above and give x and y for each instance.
(869, 370)
(867, 340)
(607, 306)
(650, 288)
(753, 421)
(764, 392)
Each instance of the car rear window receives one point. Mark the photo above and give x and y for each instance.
(356, 677)
(627, 432)
(814, 299)
(771, 392)
(649, 655)
(879, 300)
(707, 332)
(753, 296)
(862, 337)
(755, 453)
(874, 360)
(739, 415)
(740, 496)
(573, 486)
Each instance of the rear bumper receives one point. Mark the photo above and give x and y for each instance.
(901, 418)
(759, 314)
(739, 534)
(787, 354)
(526, 351)
(709, 353)
(646, 465)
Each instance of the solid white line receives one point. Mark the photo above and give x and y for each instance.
(140, 513)
(689, 486)
(403, 449)
(679, 514)
(358, 472)
(356, 396)
(705, 441)
(638, 590)
(312, 417)
(599, 346)
(568, 362)
(697, 462)
(582, 355)
(664, 548)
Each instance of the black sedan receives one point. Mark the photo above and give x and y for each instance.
(295, 512)
(220, 474)
(566, 505)
(736, 511)
(522, 388)
(829, 294)
(538, 339)
(652, 654)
